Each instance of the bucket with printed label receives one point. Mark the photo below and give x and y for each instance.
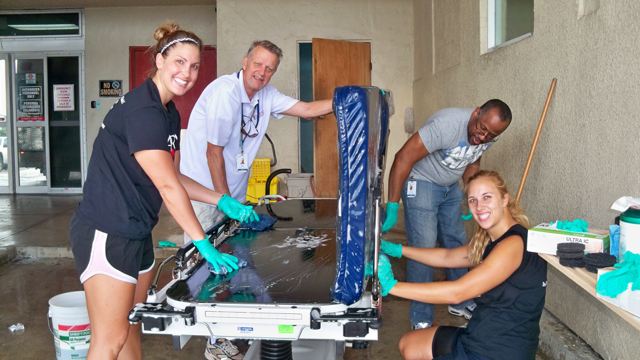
(71, 328)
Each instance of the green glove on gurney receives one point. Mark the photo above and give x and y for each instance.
(214, 257)
(392, 216)
(391, 249)
(235, 210)
(385, 275)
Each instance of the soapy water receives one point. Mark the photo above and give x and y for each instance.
(304, 241)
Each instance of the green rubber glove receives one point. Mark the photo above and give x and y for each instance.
(235, 210)
(617, 281)
(391, 249)
(385, 275)
(392, 216)
(467, 217)
(577, 225)
(214, 257)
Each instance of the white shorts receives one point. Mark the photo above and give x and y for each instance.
(96, 252)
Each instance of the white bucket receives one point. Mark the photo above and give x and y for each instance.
(71, 327)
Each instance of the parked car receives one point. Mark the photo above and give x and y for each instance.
(3, 152)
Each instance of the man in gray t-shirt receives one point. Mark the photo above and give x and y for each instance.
(426, 172)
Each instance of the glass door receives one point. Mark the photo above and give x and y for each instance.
(64, 114)
(30, 126)
(5, 126)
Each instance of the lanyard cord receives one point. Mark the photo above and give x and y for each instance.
(242, 139)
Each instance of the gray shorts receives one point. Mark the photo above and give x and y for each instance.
(96, 252)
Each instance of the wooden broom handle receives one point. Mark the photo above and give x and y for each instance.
(535, 140)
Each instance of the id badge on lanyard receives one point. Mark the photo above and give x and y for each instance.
(242, 162)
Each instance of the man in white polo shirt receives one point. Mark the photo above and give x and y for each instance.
(226, 128)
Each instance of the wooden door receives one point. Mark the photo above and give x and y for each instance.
(140, 63)
(335, 63)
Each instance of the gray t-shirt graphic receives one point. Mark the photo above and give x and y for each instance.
(445, 136)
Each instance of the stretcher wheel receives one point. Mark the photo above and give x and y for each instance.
(360, 344)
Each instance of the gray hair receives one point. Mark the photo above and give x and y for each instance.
(271, 47)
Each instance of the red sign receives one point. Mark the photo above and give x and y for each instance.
(31, 118)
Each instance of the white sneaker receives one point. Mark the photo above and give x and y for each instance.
(467, 312)
(222, 350)
(422, 325)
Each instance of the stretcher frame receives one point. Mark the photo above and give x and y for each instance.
(326, 327)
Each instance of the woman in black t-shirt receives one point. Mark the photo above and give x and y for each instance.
(507, 283)
(133, 170)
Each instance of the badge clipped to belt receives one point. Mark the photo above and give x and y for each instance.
(411, 188)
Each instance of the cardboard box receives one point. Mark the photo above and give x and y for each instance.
(545, 239)
(627, 300)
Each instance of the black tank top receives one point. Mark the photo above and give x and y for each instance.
(506, 321)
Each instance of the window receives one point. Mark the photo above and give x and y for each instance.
(37, 23)
(508, 20)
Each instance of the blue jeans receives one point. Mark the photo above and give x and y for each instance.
(434, 213)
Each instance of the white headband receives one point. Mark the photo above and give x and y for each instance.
(176, 41)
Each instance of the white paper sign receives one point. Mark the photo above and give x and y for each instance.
(63, 98)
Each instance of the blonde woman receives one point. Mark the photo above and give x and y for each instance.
(507, 283)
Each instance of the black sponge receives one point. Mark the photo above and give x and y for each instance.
(572, 262)
(570, 247)
(600, 260)
(570, 255)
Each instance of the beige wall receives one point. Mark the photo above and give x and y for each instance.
(387, 24)
(587, 154)
(110, 32)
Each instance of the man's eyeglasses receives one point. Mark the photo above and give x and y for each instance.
(485, 133)
(252, 126)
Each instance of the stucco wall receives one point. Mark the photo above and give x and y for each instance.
(586, 157)
(110, 32)
(386, 24)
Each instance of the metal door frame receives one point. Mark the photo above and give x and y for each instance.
(8, 124)
(83, 128)
(41, 189)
